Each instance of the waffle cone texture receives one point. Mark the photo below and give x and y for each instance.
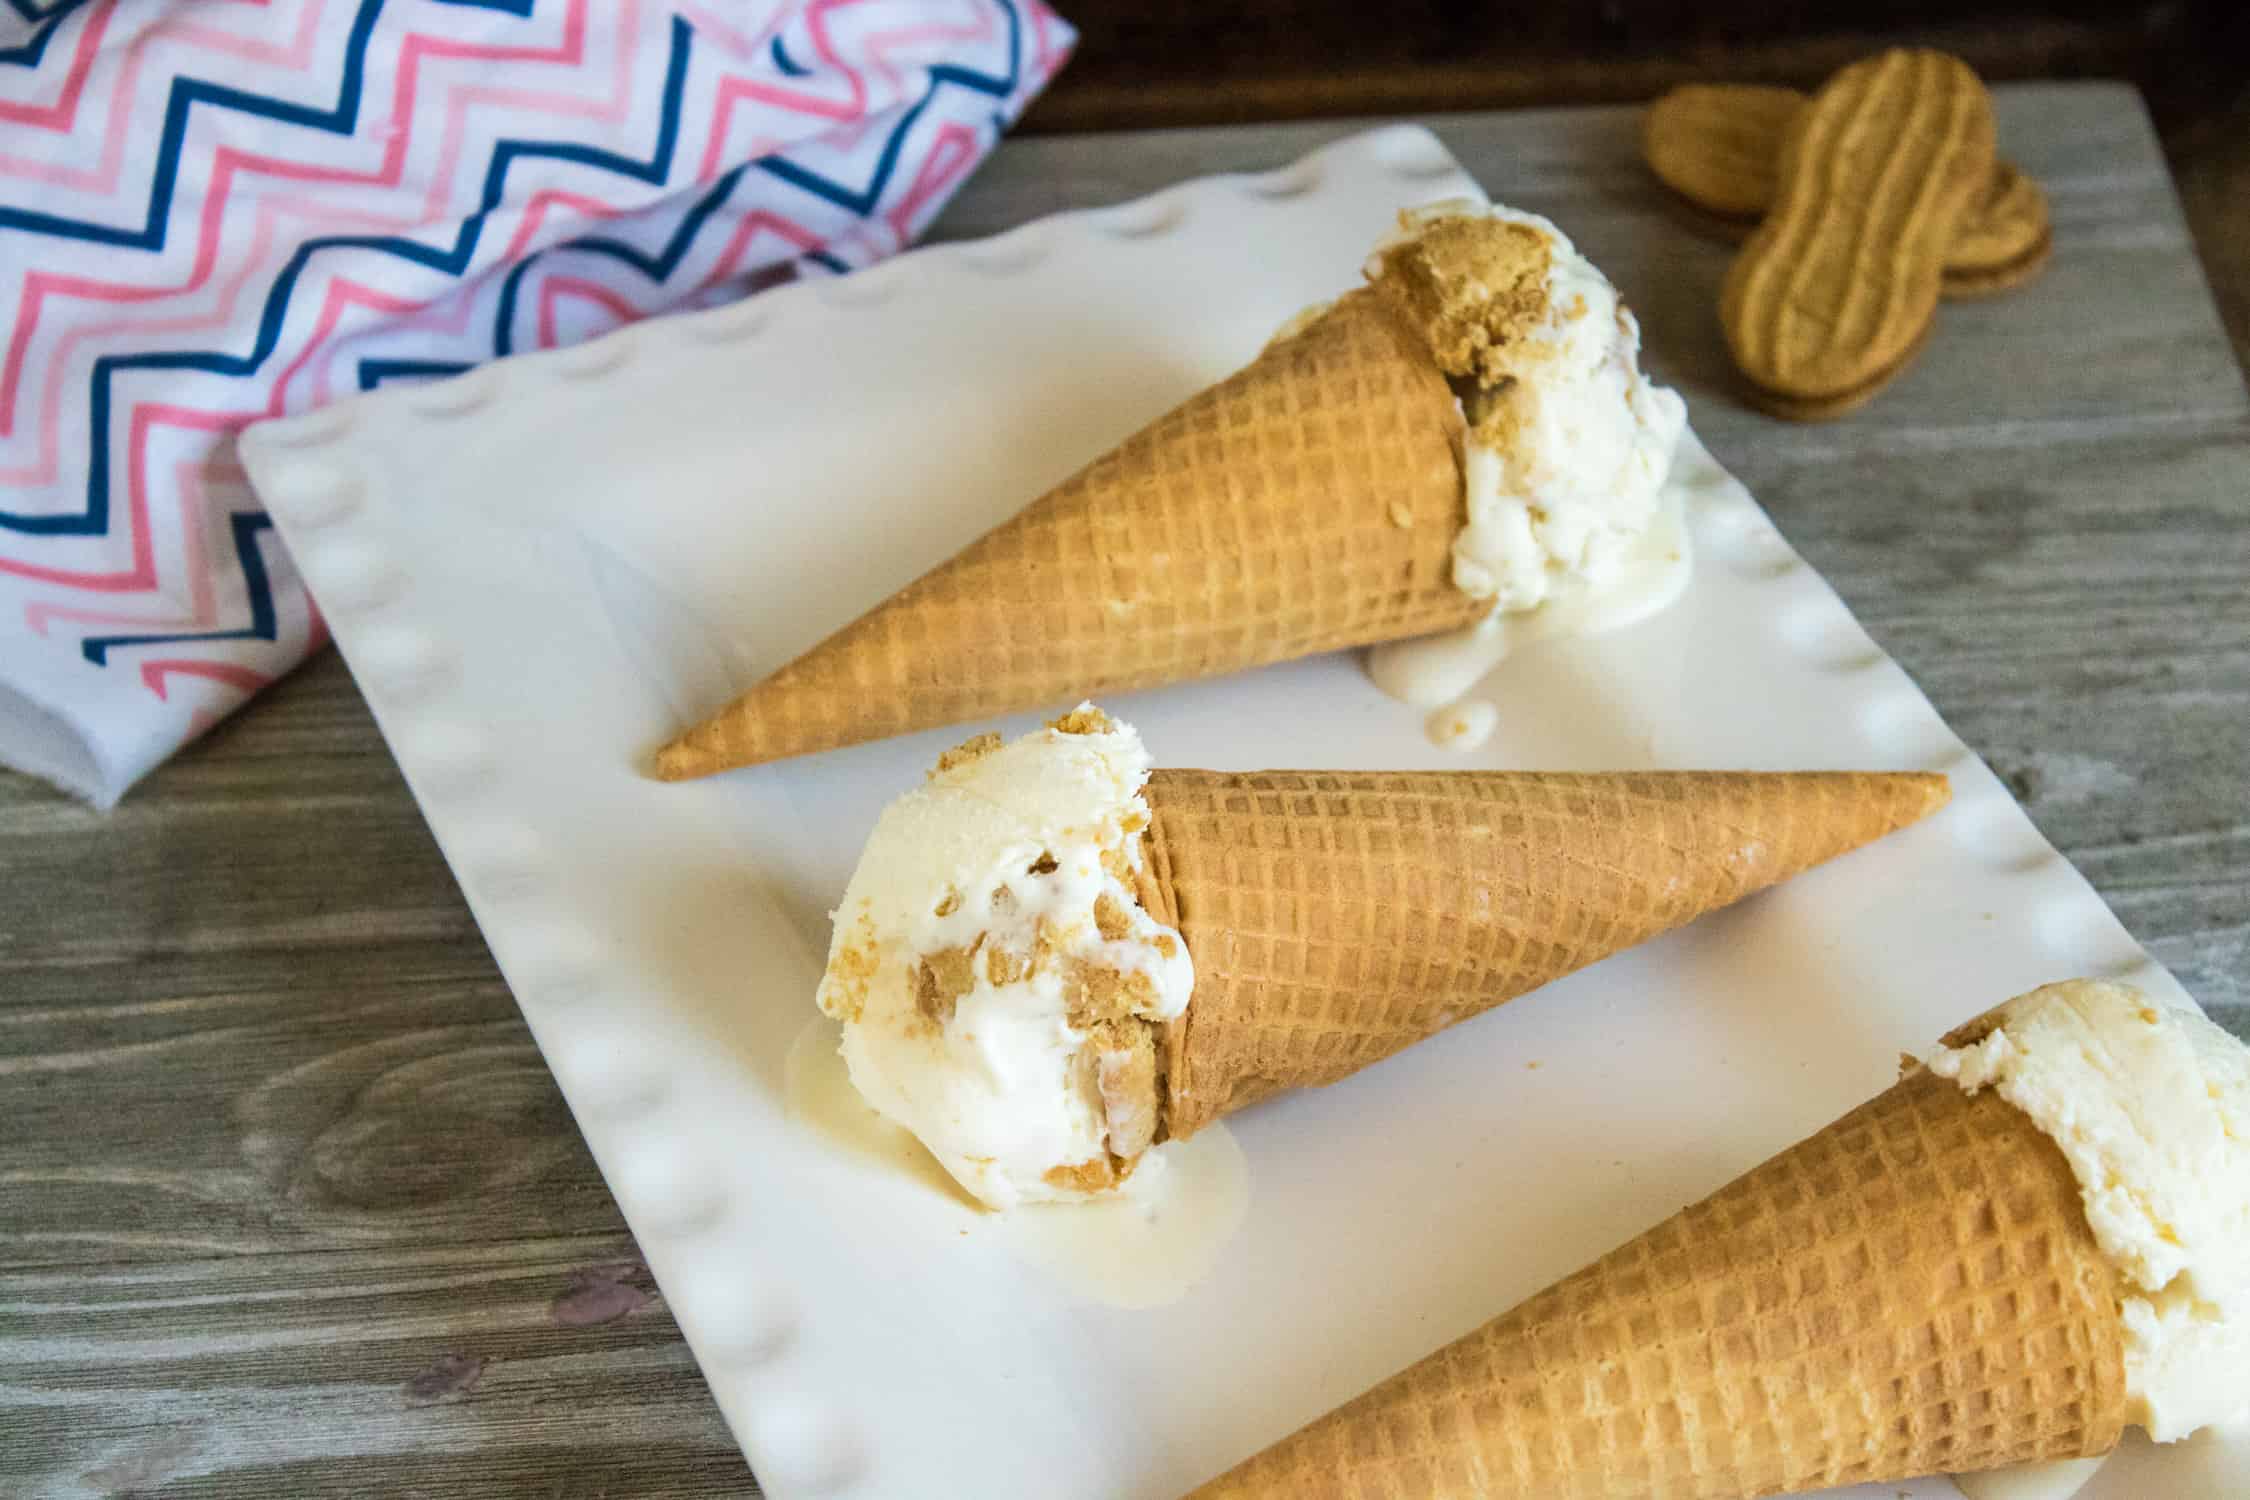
(1336, 917)
(1307, 504)
(1912, 1291)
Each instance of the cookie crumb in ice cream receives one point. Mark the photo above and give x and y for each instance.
(1100, 1175)
(1084, 719)
(942, 979)
(1474, 287)
(965, 752)
(1094, 993)
(1110, 919)
(852, 967)
(1125, 1077)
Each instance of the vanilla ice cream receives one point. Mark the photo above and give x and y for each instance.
(2151, 1107)
(1568, 444)
(999, 983)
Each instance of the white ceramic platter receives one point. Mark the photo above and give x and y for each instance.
(538, 570)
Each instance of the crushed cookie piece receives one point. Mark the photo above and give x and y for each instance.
(942, 978)
(968, 750)
(949, 903)
(1119, 863)
(1125, 1077)
(1473, 287)
(1044, 865)
(1110, 919)
(1095, 993)
(1004, 966)
(1085, 719)
(843, 994)
(1046, 944)
(1132, 823)
(1099, 1175)
(1167, 945)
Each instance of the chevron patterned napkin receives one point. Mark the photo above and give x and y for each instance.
(215, 213)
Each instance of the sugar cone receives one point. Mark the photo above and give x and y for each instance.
(1912, 1291)
(1307, 504)
(1335, 917)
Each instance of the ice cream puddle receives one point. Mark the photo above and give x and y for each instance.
(2055, 1481)
(1146, 1245)
(1572, 526)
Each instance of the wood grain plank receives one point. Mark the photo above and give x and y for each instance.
(451, 1371)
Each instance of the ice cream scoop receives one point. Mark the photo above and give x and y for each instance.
(996, 975)
(1053, 958)
(2151, 1107)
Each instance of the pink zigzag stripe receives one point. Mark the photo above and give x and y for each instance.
(45, 463)
(849, 132)
(189, 476)
(447, 314)
(143, 575)
(103, 176)
(555, 288)
(710, 23)
(342, 292)
(570, 53)
(773, 223)
(535, 216)
(227, 162)
(292, 56)
(44, 467)
(233, 674)
(59, 115)
(733, 89)
(985, 27)
(1047, 56)
(927, 183)
(951, 155)
(796, 235)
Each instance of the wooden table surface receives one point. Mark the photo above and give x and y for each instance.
(289, 1204)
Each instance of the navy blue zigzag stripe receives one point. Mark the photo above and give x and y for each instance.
(29, 52)
(342, 119)
(245, 525)
(862, 202)
(454, 260)
(451, 260)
